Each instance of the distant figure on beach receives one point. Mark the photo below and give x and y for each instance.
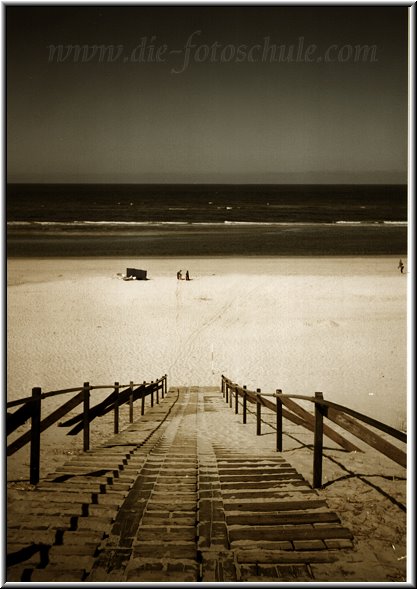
(179, 275)
(187, 275)
(401, 266)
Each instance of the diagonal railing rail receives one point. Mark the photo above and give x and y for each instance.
(31, 408)
(348, 419)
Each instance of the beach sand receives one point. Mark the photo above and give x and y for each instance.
(335, 325)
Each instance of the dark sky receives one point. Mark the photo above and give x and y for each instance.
(224, 118)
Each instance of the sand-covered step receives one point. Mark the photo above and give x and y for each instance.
(269, 573)
(219, 566)
(174, 518)
(39, 508)
(169, 533)
(260, 494)
(275, 519)
(59, 573)
(30, 523)
(72, 486)
(179, 549)
(73, 480)
(152, 570)
(288, 532)
(229, 457)
(87, 486)
(284, 505)
(262, 556)
(228, 468)
(280, 484)
(48, 536)
(258, 474)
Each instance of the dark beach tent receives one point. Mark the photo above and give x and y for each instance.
(138, 274)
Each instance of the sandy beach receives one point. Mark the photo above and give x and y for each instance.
(336, 325)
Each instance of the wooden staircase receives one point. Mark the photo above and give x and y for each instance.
(185, 493)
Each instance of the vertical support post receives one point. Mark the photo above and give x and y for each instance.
(222, 386)
(231, 396)
(164, 387)
(152, 393)
(131, 402)
(318, 442)
(258, 414)
(236, 401)
(279, 420)
(157, 393)
(116, 408)
(86, 417)
(227, 392)
(142, 409)
(245, 400)
(35, 440)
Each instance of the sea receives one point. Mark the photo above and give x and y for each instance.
(205, 220)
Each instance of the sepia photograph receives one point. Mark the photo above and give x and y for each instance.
(207, 263)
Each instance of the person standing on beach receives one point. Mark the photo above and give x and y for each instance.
(401, 266)
(179, 275)
(187, 276)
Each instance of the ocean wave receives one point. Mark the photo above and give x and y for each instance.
(133, 224)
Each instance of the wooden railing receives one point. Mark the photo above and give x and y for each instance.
(30, 408)
(285, 407)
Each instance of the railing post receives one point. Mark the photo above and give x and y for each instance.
(164, 386)
(152, 393)
(142, 409)
(318, 442)
(86, 417)
(222, 386)
(131, 402)
(116, 408)
(227, 392)
(231, 396)
(244, 404)
(157, 393)
(35, 440)
(236, 401)
(258, 414)
(279, 420)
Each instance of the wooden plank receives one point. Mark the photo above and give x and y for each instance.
(271, 519)
(366, 435)
(255, 470)
(274, 505)
(262, 556)
(290, 533)
(267, 477)
(45, 423)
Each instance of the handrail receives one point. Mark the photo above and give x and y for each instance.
(335, 412)
(24, 400)
(395, 433)
(30, 408)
